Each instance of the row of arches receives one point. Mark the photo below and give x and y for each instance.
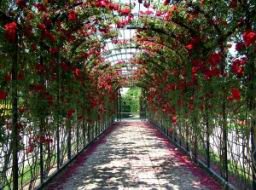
(63, 63)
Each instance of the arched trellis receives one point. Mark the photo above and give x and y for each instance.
(222, 36)
(118, 54)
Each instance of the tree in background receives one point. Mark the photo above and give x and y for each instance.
(131, 101)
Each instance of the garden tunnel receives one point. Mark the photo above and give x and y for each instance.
(63, 63)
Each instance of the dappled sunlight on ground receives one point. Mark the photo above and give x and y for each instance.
(133, 155)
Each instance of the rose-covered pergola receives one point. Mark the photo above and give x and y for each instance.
(63, 62)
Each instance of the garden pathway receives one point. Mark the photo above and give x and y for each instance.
(133, 155)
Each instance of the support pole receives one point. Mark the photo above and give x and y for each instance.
(208, 158)
(58, 118)
(41, 152)
(224, 139)
(84, 136)
(15, 132)
(252, 106)
(77, 135)
(253, 143)
(41, 133)
(207, 135)
(69, 138)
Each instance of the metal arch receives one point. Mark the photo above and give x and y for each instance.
(130, 28)
(121, 53)
(121, 48)
(126, 64)
(158, 30)
(135, 66)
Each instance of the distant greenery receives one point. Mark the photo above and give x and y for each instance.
(131, 101)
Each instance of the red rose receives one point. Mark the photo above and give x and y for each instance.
(189, 46)
(70, 113)
(21, 3)
(81, 117)
(41, 26)
(8, 77)
(249, 38)
(101, 3)
(239, 46)
(30, 149)
(77, 72)
(230, 98)
(237, 69)
(40, 68)
(214, 59)
(237, 66)
(72, 16)
(33, 46)
(235, 94)
(21, 109)
(174, 119)
(10, 31)
(114, 6)
(233, 4)
(146, 4)
(125, 12)
(166, 2)
(3, 94)
(40, 7)
(64, 67)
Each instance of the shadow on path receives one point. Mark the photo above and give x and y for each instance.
(133, 155)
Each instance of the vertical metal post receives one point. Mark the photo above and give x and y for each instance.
(94, 129)
(58, 115)
(117, 107)
(180, 137)
(84, 136)
(196, 148)
(187, 135)
(120, 108)
(97, 128)
(41, 132)
(104, 124)
(224, 143)
(253, 143)
(41, 152)
(252, 106)
(89, 133)
(207, 137)
(173, 133)
(69, 138)
(100, 125)
(224, 123)
(15, 132)
(58, 144)
(77, 134)
(195, 134)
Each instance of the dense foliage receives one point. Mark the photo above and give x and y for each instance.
(196, 65)
(131, 101)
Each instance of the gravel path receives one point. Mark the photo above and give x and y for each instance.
(133, 155)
